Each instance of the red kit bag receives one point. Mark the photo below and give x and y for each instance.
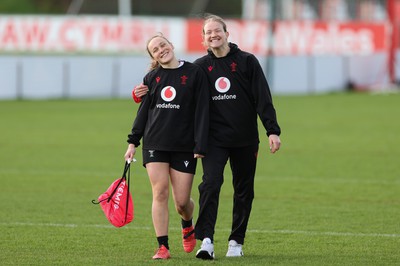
(116, 202)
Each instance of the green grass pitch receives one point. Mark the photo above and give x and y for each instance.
(330, 196)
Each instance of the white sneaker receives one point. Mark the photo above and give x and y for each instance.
(206, 251)
(234, 249)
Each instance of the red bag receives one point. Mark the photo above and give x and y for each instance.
(116, 202)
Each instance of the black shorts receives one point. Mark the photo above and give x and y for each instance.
(180, 161)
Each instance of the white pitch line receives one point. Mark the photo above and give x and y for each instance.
(294, 232)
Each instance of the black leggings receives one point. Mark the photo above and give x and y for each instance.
(243, 165)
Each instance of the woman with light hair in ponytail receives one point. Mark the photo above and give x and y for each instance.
(173, 121)
(240, 95)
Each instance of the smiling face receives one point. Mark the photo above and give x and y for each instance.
(161, 50)
(215, 35)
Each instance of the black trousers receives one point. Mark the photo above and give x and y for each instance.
(243, 165)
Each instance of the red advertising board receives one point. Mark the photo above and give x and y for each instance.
(84, 34)
(194, 38)
(97, 34)
(293, 38)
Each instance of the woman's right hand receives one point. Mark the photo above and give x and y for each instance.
(130, 152)
(140, 90)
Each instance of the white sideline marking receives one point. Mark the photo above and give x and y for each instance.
(295, 232)
(337, 180)
(322, 233)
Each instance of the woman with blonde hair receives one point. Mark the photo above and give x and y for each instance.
(173, 121)
(240, 94)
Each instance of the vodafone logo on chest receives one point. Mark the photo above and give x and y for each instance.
(222, 85)
(168, 93)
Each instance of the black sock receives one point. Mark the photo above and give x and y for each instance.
(163, 240)
(186, 224)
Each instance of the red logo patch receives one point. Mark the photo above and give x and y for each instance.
(183, 80)
(233, 67)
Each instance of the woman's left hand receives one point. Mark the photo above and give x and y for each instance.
(274, 143)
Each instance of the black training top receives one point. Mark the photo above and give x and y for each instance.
(239, 91)
(174, 115)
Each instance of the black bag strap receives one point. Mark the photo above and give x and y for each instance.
(128, 166)
(126, 170)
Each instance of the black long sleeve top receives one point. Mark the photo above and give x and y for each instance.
(174, 115)
(239, 92)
